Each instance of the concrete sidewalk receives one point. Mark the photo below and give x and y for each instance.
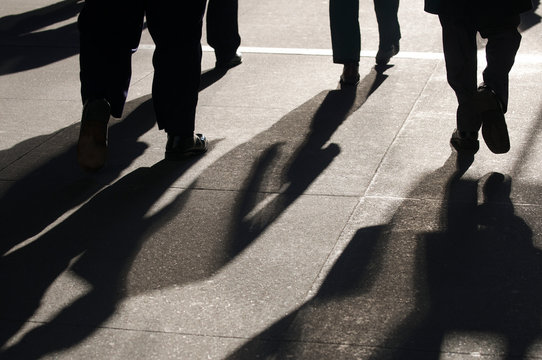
(322, 224)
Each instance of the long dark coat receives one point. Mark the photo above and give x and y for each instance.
(486, 7)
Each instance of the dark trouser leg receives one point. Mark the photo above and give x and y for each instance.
(177, 63)
(389, 30)
(108, 37)
(222, 27)
(345, 33)
(503, 40)
(460, 54)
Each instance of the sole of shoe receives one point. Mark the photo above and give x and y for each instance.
(494, 129)
(495, 132)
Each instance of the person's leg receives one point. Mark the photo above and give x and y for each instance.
(109, 34)
(460, 54)
(223, 30)
(345, 32)
(346, 38)
(502, 46)
(177, 66)
(108, 37)
(503, 41)
(389, 31)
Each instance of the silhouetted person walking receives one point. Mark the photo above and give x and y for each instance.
(223, 32)
(346, 36)
(109, 34)
(480, 106)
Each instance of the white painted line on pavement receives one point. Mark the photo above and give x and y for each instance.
(522, 58)
(328, 52)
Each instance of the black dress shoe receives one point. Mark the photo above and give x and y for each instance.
(465, 142)
(350, 75)
(181, 147)
(229, 62)
(385, 53)
(494, 129)
(92, 143)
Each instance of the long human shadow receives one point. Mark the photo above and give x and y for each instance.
(340, 299)
(481, 274)
(17, 32)
(48, 189)
(298, 154)
(114, 245)
(270, 170)
(482, 271)
(311, 159)
(40, 197)
(101, 238)
(478, 273)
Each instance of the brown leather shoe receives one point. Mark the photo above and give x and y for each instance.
(92, 144)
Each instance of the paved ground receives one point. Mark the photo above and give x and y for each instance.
(323, 224)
